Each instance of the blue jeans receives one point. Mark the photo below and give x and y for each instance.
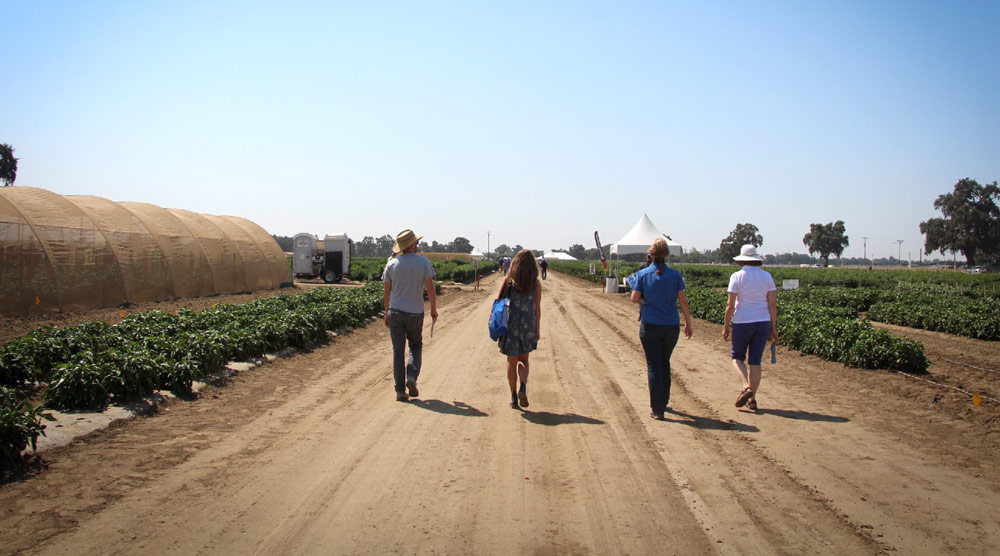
(658, 341)
(405, 327)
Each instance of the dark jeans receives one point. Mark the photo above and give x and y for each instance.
(658, 343)
(405, 327)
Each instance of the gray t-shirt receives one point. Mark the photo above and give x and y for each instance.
(406, 273)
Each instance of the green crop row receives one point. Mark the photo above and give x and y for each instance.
(856, 299)
(960, 316)
(453, 270)
(926, 306)
(581, 269)
(367, 269)
(717, 276)
(833, 333)
(20, 426)
(458, 270)
(90, 365)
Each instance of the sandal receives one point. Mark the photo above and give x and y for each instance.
(745, 395)
(752, 404)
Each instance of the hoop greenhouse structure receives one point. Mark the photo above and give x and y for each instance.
(79, 252)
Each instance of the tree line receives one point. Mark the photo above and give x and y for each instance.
(970, 225)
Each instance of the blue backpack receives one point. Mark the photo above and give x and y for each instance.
(499, 315)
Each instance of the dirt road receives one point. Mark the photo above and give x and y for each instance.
(312, 455)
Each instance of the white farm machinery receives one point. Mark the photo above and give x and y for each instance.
(329, 258)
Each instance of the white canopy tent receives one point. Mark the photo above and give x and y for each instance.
(476, 255)
(558, 256)
(640, 237)
(638, 240)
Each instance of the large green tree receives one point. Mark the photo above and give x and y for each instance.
(8, 165)
(741, 235)
(971, 223)
(826, 239)
(461, 245)
(577, 251)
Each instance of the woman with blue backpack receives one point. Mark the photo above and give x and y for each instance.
(524, 289)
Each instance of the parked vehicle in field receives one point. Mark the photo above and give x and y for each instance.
(329, 259)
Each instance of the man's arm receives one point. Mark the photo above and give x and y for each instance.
(385, 300)
(429, 283)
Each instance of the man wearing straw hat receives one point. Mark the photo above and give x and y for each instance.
(405, 278)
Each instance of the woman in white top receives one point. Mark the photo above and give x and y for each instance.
(753, 312)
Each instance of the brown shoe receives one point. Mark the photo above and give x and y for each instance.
(745, 396)
(522, 398)
(402, 397)
(411, 385)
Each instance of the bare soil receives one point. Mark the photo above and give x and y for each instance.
(311, 454)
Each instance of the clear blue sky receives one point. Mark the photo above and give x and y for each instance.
(538, 121)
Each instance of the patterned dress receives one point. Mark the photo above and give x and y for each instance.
(522, 327)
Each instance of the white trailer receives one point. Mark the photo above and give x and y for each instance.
(329, 259)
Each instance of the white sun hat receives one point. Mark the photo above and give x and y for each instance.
(748, 253)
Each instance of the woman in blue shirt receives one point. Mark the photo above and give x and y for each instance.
(658, 289)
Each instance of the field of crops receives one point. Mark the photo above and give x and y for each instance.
(717, 276)
(91, 365)
(830, 314)
(451, 270)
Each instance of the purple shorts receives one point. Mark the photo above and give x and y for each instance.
(752, 335)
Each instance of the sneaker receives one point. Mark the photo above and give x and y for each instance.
(522, 398)
(402, 397)
(411, 385)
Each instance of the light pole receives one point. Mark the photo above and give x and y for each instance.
(899, 254)
(487, 244)
(866, 247)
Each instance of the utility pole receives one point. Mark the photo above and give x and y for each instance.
(899, 255)
(866, 247)
(487, 244)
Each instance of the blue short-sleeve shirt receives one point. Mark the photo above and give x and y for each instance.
(659, 295)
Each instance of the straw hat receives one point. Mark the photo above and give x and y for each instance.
(659, 248)
(748, 253)
(404, 240)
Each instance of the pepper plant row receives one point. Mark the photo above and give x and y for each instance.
(923, 306)
(90, 365)
(833, 333)
(453, 270)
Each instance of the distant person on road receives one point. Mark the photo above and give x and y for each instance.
(392, 256)
(658, 290)
(545, 268)
(524, 289)
(753, 311)
(406, 276)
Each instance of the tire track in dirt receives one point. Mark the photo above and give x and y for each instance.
(740, 526)
(312, 455)
(884, 486)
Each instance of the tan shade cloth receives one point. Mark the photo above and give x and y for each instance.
(78, 252)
